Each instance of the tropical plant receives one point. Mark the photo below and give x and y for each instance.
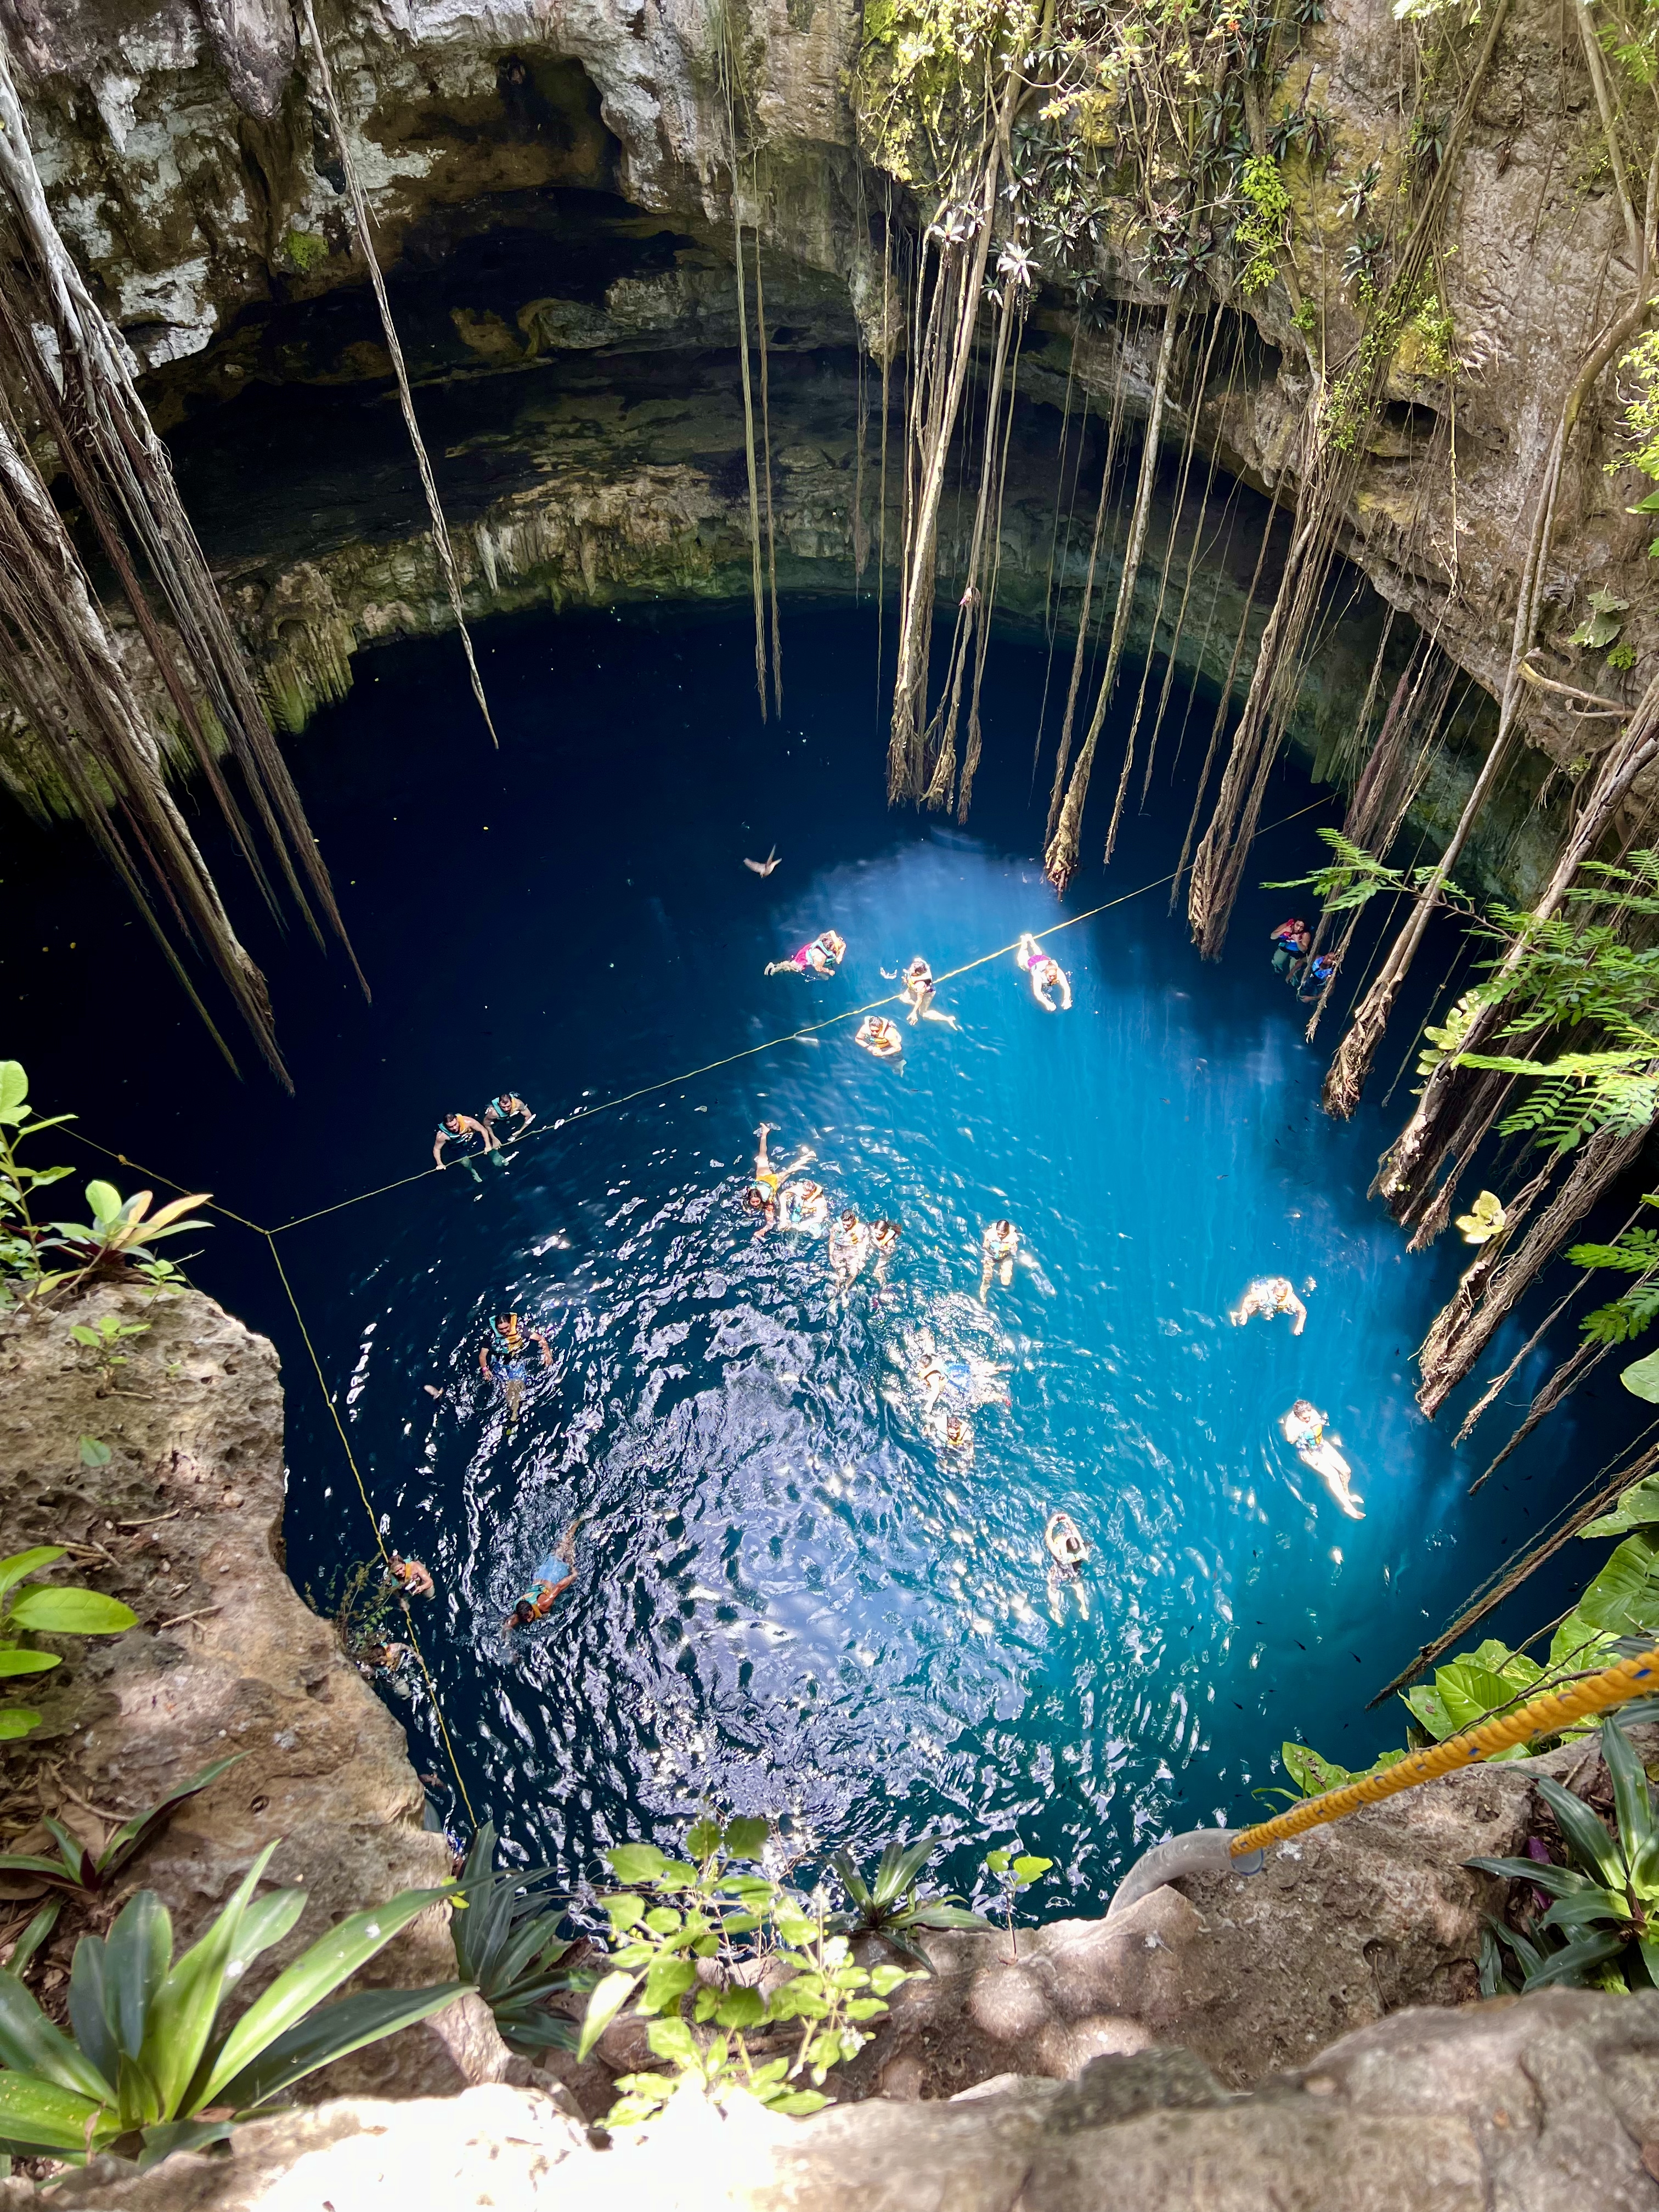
(79, 1869)
(47, 1610)
(1485, 1221)
(508, 1945)
(1314, 1774)
(1013, 1870)
(693, 1937)
(150, 2069)
(103, 1335)
(1602, 1928)
(122, 1231)
(890, 1904)
(20, 1235)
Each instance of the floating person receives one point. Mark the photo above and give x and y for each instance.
(764, 867)
(979, 1381)
(880, 1036)
(761, 1196)
(461, 1129)
(802, 1208)
(885, 1237)
(539, 1600)
(1046, 974)
(851, 1242)
(377, 1658)
(507, 1347)
(412, 1576)
(1269, 1295)
(506, 1107)
(1316, 975)
(1292, 942)
(1067, 1556)
(919, 990)
(820, 958)
(1304, 1429)
(951, 1432)
(1000, 1248)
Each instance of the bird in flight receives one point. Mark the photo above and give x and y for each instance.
(764, 867)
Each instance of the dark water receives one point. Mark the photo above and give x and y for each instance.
(790, 1598)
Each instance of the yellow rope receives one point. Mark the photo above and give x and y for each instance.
(1544, 1716)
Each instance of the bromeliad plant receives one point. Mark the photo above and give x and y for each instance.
(893, 1907)
(121, 1233)
(50, 1609)
(150, 2069)
(1601, 1929)
(508, 1945)
(79, 1869)
(724, 1963)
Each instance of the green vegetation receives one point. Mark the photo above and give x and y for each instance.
(1260, 232)
(1014, 1870)
(507, 1947)
(103, 1335)
(80, 1869)
(892, 1906)
(148, 2059)
(44, 1609)
(305, 249)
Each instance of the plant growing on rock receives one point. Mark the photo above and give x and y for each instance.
(49, 1609)
(1014, 1870)
(1601, 1929)
(150, 2069)
(508, 1945)
(727, 1965)
(103, 1335)
(892, 1907)
(121, 1233)
(80, 1869)
(21, 1235)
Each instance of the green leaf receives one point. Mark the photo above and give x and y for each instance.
(666, 1980)
(16, 1721)
(181, 2018)
(625, 1912)
(1573, 1961)
(40, 2113)
(745, 1837)
(1637, 1509)
(883, 1980)
(83, 1334)
(1632, 1802)
(1586, 1908)
(1557, 1880)
(53, 1609)
(13, 1091)
(1575, 1644)
(29, 2043)
(138, 1953)
(132, 1834)
(606, 2002)
(1027, 1870)
(27, 1662)
(1624, 1598)
(1588, 1840)
(672, 2039)
(703, 1839)
(331, 2034)
(741, 2008)
(12, 1571)
(637, 1862)
(315, 1974)
(1641, 1378)
(999, 1861)
(94, 1454)
(103, 1202)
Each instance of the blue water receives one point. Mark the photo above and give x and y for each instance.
(790, 1599)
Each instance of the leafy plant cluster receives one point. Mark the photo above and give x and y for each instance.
(30, 1608)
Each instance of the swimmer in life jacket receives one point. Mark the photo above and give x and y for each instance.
(885, 1239)
(1269, 1295)
(460, 1129)
(506, 1107)
(880, 1036)
(952, 1433)
(820, 958)
(1046, 974)
(803, 1207)
(919, 990)
(850, 1245)
(539, 1600)
(1067, 1556)
(1000, 1248)
(412, 1576)
(1291, 941)
(761, 1196)
(1316, 975)
(1304, 1429)
(979, 1382)
(505, 1355)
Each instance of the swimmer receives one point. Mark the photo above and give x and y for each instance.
(1316, 975)
(1001, 1246)
(850, 1244)
(539, 1600)
(1046, 973)
(919, 990)
(879, 1036)
(951, 1433)
(1291, 941)
(509, 1342)
(885, 1236)
(820, 958)
(459, 1129)
(508, 1108)
(979, 1381)
(411, 1575)
(381, 1658)
(761, 1196)
(1067, 1556)
(1267, 1295)
(1304, 1429)
(803, 1207)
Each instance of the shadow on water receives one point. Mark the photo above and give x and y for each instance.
(790, 1598)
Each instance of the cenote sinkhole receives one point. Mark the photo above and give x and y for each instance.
(790, 1599)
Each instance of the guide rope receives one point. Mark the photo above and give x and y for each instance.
(1542, 1716)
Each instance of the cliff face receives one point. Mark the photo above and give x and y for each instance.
(550, 188)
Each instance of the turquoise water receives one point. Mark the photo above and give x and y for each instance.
(790, 1599)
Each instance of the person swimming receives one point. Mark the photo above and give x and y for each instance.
(1000, 1248)
(1269, 1295)
(803, 1207)
(1046, 974)
(879, 1036)
(506, 1107)
(979, 1382)
(412, 1576)
(919, 990)
(850, 1245)
(761, 1196)
(1291, 941)
(460, 1129)
(951, 1433)
(885, 1237)
(820, 958)
(1304, 1429)
(1067, 1552)
(1316, 975)
(508, 1345)
(539, 1600)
